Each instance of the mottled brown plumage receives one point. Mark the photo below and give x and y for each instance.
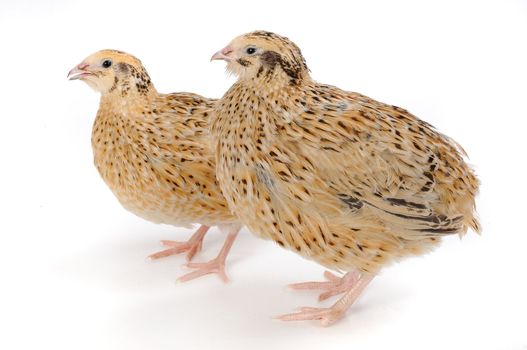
(335, 176)
(153, 149)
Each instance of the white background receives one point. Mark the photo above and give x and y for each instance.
(73, 269)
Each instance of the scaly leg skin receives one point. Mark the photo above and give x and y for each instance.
(333, 286)
(216, 265)
(192, 246)
(328, 316)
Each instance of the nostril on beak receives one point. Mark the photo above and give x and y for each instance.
(227, 50)
(223, 54)
(82, 65)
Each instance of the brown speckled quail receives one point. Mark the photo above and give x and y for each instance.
(335, 176)
(153, 151)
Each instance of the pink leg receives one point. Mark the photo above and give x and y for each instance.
(192, 246)
(216, 265)
(330, 315)
(335, 285)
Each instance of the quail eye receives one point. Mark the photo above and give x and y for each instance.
(106, 63)
(250, 50)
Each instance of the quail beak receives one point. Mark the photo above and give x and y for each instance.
(224, 54)
(79, 72)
